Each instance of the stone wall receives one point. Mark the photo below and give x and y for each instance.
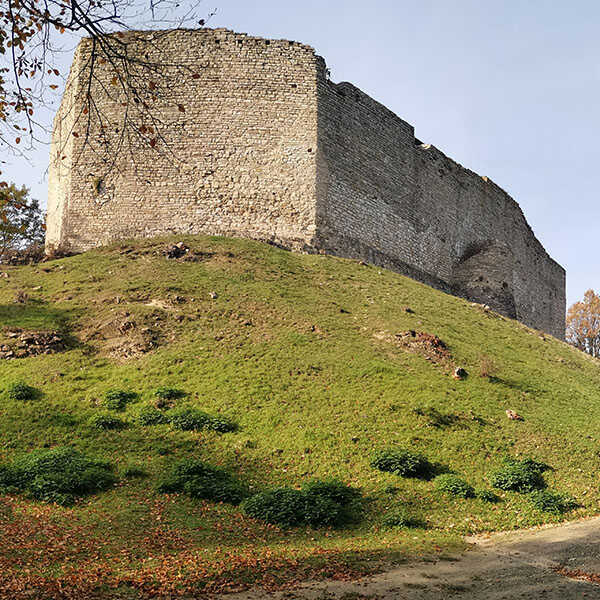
(269, 148)
(389, 199)
(239, 161)
(61, 164)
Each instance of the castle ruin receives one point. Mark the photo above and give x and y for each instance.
(269, 148)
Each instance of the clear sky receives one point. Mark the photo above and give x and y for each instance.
(509, 89)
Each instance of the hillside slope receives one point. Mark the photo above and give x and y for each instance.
(309, 356)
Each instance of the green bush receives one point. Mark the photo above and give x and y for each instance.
(169, 393)
(402, 462)
(486, 495)
(332, 489)
(522, 476)
(188, 418)
(200, 480)
(19, 391)
(318, 504)
(150, 415)
(107, 422)
(455, 485)
(399, 517)
(552, 502)
(57, 475)
(331, 502)
(118, 399)
(9, 479)
(281, 506)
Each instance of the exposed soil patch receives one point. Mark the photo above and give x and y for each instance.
(125, 336)
(427, 345)
(180, 251)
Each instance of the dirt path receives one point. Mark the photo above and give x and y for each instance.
(505, 566)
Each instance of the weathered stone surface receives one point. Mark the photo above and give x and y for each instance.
(32, 343)
(269, 148)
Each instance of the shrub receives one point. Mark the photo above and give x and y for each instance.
(402, 462)
(318, 504)
(169, 393)
(282, 506)
(118, 399)
(19, 391)
(334, 490)
(9, 479)
(150, 415)
(455, 485)
(552, 502)
(331, 502)
(57, 475)
(188, 418)
(107, 422)
(486, 495)
(200, 480)
(519, 475)
(401, 518)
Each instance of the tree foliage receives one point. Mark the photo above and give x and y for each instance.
(34, 34)
(21, 221)
(583, 324)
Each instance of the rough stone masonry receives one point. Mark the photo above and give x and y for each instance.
(269, 148)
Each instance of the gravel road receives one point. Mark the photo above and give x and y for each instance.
(507, 566)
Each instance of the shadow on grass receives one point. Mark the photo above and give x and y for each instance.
(38, 316)
(520, 386)
(34, 315)
(438, 420)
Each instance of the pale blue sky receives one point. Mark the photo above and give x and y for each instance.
(510, 89)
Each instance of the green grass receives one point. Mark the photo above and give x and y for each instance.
(300, 352)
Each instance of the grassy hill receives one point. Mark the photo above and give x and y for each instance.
(306, 355)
